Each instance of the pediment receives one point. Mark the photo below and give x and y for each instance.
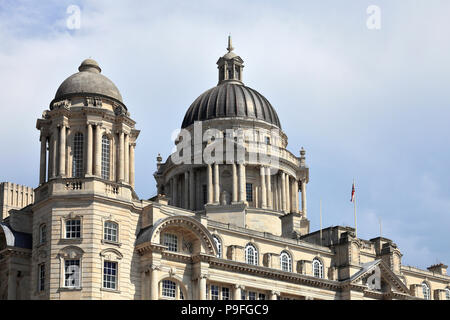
(378, 277)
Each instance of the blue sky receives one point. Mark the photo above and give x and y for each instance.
(366, 104)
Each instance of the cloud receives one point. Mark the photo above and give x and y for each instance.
(370, 105)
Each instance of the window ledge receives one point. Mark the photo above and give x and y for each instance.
(110, 290)
(114, 243)
(70, 240)
(70, 289)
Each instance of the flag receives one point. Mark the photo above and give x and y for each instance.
(353, 192)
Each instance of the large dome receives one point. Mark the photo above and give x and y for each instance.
(231, 99)
(88, 81)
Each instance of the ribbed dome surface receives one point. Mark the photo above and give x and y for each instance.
(88, 81)
(231, 100)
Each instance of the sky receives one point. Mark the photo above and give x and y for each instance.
(366, 104)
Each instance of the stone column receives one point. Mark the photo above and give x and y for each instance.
(242, 179)
(121, 156)
(186, 190)
(127, 158)
(43, 167)
(283, 191)
(154, 288)
(210, 184)
(294, 195)
(237, 292)
(89, 149)
(62, 151)
(280, 197)
(132, 146)
(216, 184)
(269, 189)
(175, 190)
(98, 151)
(192, 189)
(202, 287)
(54, 154)
(288, 197)
(235, 184)
(303, 186)
(262, 174)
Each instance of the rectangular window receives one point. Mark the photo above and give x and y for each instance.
(42, 234)
(261, 296)
(41, 277)
(110, 231)
(73, 229)
(171, 241)
(243, 295)
(251, 295)
(249, 189)
(168, 289)
(214, 292)
(110, 275)
(72, 273)
(225, 293)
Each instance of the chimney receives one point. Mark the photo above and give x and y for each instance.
(439, 268)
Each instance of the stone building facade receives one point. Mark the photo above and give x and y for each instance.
(229, 225)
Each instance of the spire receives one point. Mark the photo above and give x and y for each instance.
(230, 65)
(230, 46)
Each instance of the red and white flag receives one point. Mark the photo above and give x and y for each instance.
(353, 192)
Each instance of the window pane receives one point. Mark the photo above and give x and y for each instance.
(249, 190)
(73, 228)
(77, 163)
(225, 294)
(214, 292)
(106, 148)
(41, 271)
(111, 229)
(251, 295)
(168, 288)
(171, 241)
(43, 233)
(72, 273)
(110, 275)
(219, 246)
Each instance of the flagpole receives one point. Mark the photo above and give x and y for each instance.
(380, 228)
(354, 206)
(320, 221)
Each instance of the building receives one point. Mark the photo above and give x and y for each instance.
(229, 220)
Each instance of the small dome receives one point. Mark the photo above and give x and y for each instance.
(228, 100)
(89, 81)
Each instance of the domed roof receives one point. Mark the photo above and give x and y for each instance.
(230, 99)
(88, 81)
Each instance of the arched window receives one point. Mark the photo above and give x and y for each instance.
(447, 293)
(42, 233)
(111, 231)
(77, 163)
(426, 291)
(171, 290)
(218, 245)
(286, 261)
(251, 255)
(317, 268)
(106, 149)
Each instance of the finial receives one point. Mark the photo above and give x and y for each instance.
(159, 158)
(302, 157)
(230, 46)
